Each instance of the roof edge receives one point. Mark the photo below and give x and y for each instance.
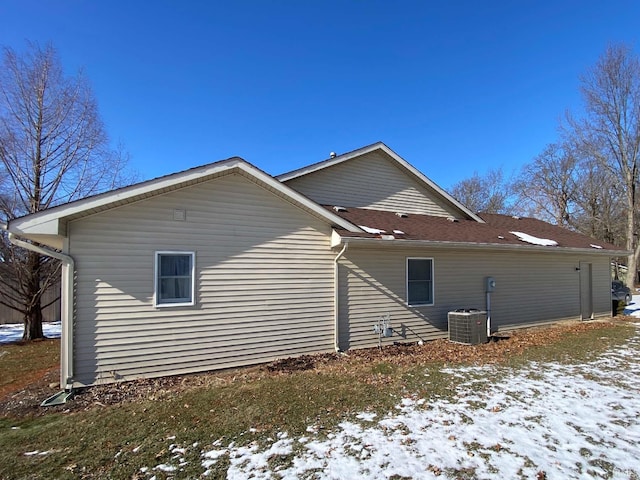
(397, 158)
(53, 216)
(496, 246)
(283, 177)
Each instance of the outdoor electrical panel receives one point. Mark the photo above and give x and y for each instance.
(490, 284)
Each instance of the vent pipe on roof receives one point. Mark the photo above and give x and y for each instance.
(332, 154)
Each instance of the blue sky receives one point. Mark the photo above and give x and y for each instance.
(452, 86)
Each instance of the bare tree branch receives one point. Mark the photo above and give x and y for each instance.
(53, 149)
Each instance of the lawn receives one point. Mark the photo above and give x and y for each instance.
(552, 403)
(22, 364)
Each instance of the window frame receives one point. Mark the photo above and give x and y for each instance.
(433, 282)
(156, 292)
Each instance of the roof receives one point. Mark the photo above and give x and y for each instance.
(49, 226)
(496, 231)
(399, 161)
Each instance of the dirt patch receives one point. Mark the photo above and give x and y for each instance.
(297, 364)
(24, 399)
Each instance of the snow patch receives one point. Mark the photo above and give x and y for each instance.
(375, 231)
(12, 332)
(503, 429)
(525, 237)
(633, 309)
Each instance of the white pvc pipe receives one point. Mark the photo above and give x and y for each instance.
(68, 270)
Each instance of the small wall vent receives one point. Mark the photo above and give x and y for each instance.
(179, 214)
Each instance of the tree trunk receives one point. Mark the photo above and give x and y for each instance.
(632, 264)
(33, 324)
(33, 314)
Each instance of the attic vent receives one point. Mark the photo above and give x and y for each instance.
(451, 219)
(179, 215)
(515, 217)
(599, 247)
(338, 208)
(402, 214)
(332, 154)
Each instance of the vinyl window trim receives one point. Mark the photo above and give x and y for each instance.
(432, 284)
(157, 301)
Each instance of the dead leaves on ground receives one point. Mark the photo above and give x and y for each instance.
(376, 362)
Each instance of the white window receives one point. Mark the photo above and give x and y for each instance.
(420, 281)
(175, 279)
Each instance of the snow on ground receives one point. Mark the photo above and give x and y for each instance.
(12, 332)
(633, 308)
(547, 420)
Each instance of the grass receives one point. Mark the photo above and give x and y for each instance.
(21, 363)
(116, 442)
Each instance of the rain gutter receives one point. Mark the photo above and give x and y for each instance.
(68, 271)
(401, 242)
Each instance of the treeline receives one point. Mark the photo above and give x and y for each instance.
(588, 180)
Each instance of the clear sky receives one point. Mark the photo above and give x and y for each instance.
(452, 86)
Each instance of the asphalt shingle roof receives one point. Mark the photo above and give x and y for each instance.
(495, 231)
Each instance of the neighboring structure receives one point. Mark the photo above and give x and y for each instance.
(223, 265)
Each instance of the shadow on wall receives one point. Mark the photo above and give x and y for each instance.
(246, 283)
(408, 323)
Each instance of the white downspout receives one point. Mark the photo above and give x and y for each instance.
(489, 315)
(66, 343)
(336, 287)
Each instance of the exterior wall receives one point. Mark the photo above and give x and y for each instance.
(371, 181)
(264, 283)
(532, 289)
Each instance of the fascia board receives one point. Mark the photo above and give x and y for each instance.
(116, 196)
(26, 225)
(401, 161)
(329, 163)
(48, 222)
(423, 178)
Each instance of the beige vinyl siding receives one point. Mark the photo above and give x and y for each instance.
(372, 181)
(531, 289)
(264, 283)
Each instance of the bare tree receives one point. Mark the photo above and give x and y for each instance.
(488, 194)
(600, 210)
(547, 187)
(53, 149)
(610, 131)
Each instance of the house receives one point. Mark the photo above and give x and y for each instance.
(224, 265)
